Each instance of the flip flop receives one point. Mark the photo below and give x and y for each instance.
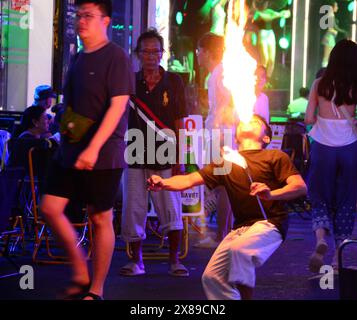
(178, 270)
(91, 295)
(132, 269)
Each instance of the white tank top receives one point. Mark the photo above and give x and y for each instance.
(333, 132)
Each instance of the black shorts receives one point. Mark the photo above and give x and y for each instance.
(97, 188)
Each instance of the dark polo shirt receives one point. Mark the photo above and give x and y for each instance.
(167, 102)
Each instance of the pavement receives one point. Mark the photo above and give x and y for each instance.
(285, 276)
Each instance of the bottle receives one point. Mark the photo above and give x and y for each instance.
(191, 198)
(186, 66)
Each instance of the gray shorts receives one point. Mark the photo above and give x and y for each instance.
(167, 204)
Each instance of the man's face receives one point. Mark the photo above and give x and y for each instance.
(202, 57)
(150, 53)
(253, 130)
(261, 79)
(42, 123)
(90, 21)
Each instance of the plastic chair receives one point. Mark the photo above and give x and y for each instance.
(38, 175)
(347, 275)
(155, 252)
(10, 184)
(297, 145)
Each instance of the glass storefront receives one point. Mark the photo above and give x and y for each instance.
(123, 31)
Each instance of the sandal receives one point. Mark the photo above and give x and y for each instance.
(78, 288)
(178, 270)
(91, 295)
(132, 269)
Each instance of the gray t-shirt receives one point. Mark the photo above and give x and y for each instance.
(92, 80)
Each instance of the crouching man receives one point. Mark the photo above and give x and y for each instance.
(230, 274)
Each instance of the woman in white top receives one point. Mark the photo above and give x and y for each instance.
(333, 170)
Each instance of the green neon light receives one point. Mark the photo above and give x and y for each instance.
(351, 6)
(284, 43)
(179, 18)
(282, 22)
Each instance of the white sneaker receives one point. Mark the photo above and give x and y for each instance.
(206, 243)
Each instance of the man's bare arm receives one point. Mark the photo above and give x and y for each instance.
(175, 183)
(89, 156)
(295, 187)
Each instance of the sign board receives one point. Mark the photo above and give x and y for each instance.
(193, 199)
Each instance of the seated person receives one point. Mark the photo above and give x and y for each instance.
(230, 274)
(34, 125)
(43, 97)
(297, 107)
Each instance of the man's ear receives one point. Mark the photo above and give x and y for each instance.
(107, 21)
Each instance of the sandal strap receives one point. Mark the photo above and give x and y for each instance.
(92, 295)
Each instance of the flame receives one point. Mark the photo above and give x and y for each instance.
(234, 156)
(238, 65)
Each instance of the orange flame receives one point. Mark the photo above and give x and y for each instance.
(238, 65)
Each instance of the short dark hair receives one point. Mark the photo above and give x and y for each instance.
(260, 4)
(151, 33)
(105, 6)
(304, 92)
(30, 114)
(268, 131)
(214, 44)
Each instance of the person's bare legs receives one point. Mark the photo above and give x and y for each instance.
(246, 293)
(271, 56)
(320, 234)
(317, 258)
(52, 208)
(104, 241)
(137, 253)
(174, 243)
(326, 56)
(263, 49)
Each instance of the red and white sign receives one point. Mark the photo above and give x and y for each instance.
(17, 5)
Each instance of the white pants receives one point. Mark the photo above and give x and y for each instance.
(167, 204)
(236, 258)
